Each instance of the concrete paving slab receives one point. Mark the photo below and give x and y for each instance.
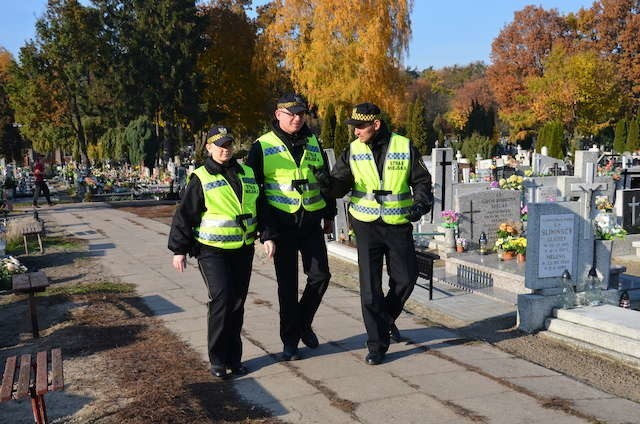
(379, 385)
(415, 408)
(559, 386)
(510, 367)
(455, 385)
(512, 407)
(312, 409)
(611, 411)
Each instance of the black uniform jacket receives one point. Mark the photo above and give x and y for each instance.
(419, 178)
(189, 212)
(272, 222)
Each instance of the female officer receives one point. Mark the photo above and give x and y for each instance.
(216, 222)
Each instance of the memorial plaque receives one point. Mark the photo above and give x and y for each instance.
(555, 244)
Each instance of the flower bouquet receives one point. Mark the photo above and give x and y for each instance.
(9, 266)
(606, 229)
(450, 218)
(514, 182)
(603, 204)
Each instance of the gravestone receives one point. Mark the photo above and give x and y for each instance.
(441, 165)
(583, 158)
(631, 211)
(553, 236)
(484, 211)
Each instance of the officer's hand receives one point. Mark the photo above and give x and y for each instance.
(179, 262)
(327, 226)
(416, 211)
(322, 175)
(269, 248)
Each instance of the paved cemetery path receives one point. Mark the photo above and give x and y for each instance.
(436, 377)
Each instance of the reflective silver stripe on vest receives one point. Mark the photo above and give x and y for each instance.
(385, 197)
(382, 211)
(219, 237)
(215, 184)
(289, 187)
(218, 223)
(226, 222)
(311, 200)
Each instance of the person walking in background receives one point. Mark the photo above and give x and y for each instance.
(294, 217)
(390, 188)
(40, 185)
(216, 222)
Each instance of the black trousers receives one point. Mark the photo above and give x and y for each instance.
(375, 241)
(40, 187)
(226, 274)
(296, 315)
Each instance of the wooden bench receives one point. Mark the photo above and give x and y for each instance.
(31, 283)
(25, 376)
(33, 229)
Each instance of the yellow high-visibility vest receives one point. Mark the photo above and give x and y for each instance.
(388, 197)
(288, 186)
(227, 223)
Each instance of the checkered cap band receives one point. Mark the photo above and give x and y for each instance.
(363, 117)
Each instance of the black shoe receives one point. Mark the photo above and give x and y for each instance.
(374, 358)
(51, 204)
(310, 339)
(290, 353)
(220, 371)
(394, 334)
(239, 370)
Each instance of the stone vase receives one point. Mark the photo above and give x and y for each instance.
(448, 240)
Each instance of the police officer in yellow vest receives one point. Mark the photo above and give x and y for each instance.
(294, 216)
(216, 221)
(390, 188)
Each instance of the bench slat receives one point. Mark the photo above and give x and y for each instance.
(41, 373)
(20, 282)
(7, 379)
(57, 379)
(23, 378)
(38, 279)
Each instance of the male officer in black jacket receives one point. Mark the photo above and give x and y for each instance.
(390, 187)
(293, 217)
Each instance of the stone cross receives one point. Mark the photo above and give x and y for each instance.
(531, 186)
(588, 188)
(470, 213)
(443, 163)
(555, 169)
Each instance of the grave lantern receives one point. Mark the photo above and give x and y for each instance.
(624, 300)
(568, 292)
(592, 289)
(482, 242)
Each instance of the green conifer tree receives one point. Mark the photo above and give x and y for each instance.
(633, 135)
(620, 138)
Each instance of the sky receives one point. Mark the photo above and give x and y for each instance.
(445, 33)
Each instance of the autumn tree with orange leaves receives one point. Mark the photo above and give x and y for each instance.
(334, 52)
